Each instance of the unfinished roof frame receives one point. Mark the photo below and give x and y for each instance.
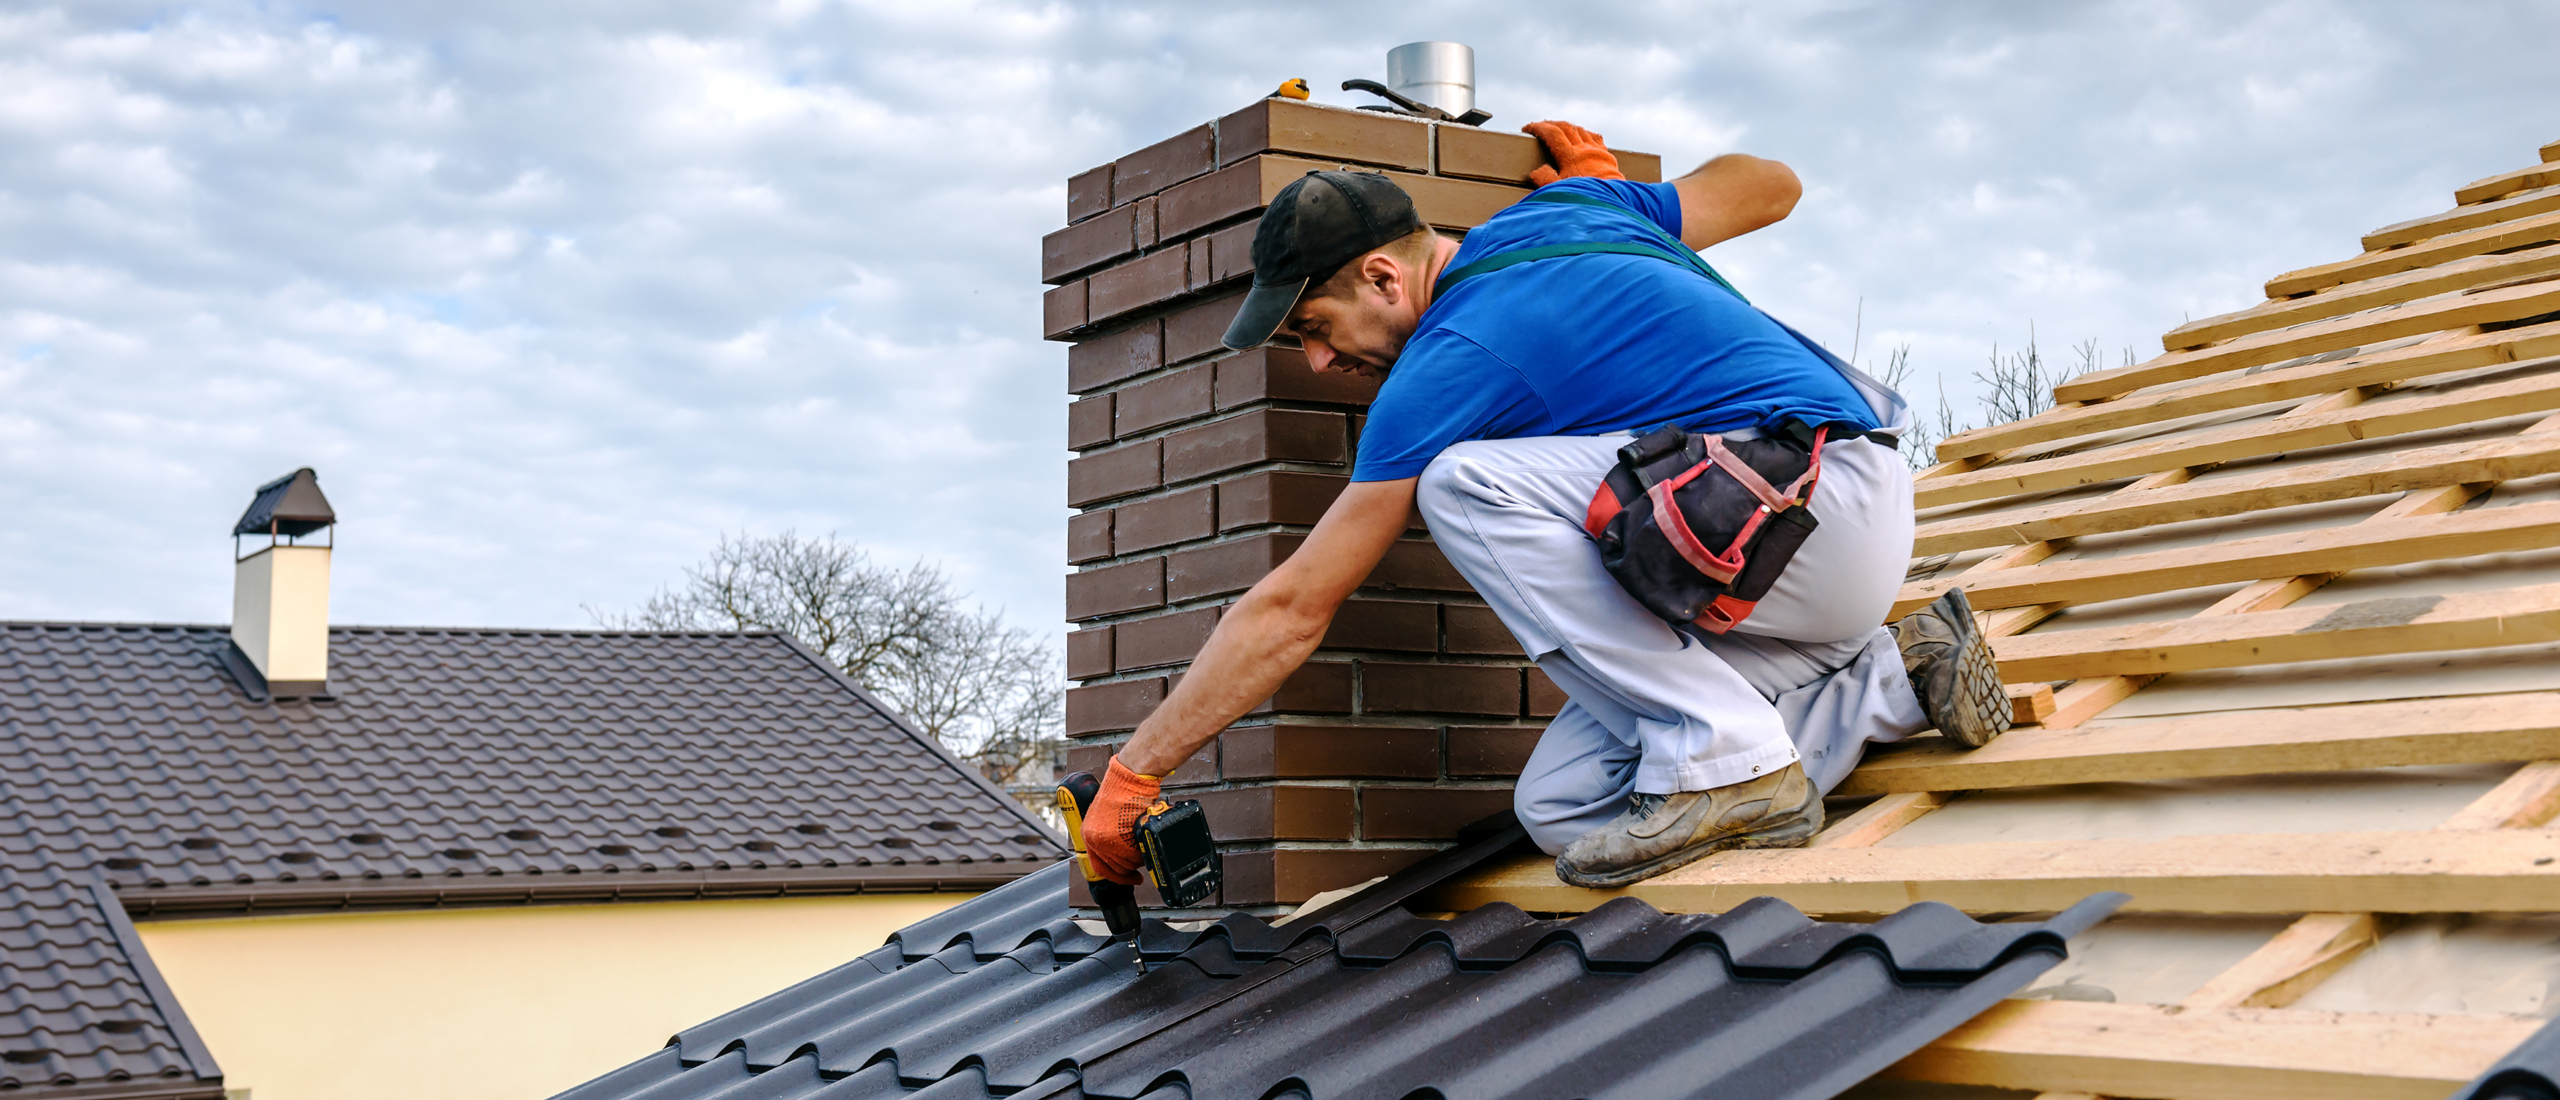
(2045, 519)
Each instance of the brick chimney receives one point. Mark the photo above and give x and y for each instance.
(280, 590)
(1199, 469)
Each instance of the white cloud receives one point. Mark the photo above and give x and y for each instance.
(552, 294)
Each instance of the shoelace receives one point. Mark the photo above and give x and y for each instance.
(1643, 805)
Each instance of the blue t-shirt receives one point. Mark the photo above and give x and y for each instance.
(1590, 344)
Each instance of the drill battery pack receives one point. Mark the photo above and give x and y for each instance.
(1174, 840)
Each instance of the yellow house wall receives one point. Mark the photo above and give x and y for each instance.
(491, 1004)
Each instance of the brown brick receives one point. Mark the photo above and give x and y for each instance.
(1088, 193)
(1417, 565)
(1163, 164)
(1089, 536)
(1392, 688)
(1163, 640)
(1279, 813)
(1263, 435)
(1543, 698)
(1287, 876)
(1508, 158)
(1330, 752)
(1087, 245)
(1104, 708)
(1088, 757)
(1102, 360)
(1159, 276)
(1231, 192)
(1426, 813)
(1317, 687)
(1143, 222)
(1201, 768)
(1089, 422)
(1276, 496)
(1493, 752)
(1194, 331)
(1223, 255)
(1477, 630)
(1165, 520)
(1089, 653)
(1062, 310)
(1225, 567)
(1385, 624)
(1118, 472)
(1113, 589)
(1164, 399)
(1216, 197)
(1290, 126)
(1271, 373)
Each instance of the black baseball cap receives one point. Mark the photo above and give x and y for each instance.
(1318, 223)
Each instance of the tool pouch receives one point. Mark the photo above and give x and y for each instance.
(1694, 526)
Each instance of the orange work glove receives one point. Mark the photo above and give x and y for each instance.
(1576, 151)
(1111, 825)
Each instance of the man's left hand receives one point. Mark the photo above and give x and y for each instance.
(1576, 152)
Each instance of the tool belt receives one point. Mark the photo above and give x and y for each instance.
(1693, 525)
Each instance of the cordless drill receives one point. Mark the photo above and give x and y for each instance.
(1172, 837)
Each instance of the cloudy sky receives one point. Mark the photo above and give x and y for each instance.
(554, 294)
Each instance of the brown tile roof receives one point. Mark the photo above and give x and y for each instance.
(447, 767)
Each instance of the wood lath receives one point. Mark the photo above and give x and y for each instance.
(2335, 639)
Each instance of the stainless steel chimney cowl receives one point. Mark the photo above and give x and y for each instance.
(1439, 74)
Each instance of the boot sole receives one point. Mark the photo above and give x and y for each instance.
(1792, 834)
(1981, 702)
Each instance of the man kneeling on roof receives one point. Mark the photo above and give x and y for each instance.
(1575, 334)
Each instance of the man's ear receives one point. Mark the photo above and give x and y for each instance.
(1383, 275)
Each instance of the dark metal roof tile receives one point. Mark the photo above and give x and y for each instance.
(1366, 1000)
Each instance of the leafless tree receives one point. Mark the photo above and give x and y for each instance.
(2016, 386)
(993, 694)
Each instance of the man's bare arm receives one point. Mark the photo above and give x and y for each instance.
(1270, 632)
(1733, 195)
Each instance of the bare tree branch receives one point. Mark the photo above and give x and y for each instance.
(991, 693)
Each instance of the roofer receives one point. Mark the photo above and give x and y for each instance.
(1527, 372)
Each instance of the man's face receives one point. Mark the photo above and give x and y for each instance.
(1361, 334)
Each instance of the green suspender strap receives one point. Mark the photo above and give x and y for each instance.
(1676, 252)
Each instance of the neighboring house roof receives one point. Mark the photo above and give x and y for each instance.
(1362, 999)
(448, 767)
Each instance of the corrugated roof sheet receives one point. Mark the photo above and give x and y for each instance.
(2529, 1072)
(1006, 995)
(451, 766)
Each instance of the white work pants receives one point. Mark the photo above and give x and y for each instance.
(1811, 675)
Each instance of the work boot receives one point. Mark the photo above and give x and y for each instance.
(1661, 831)
(1952, 669)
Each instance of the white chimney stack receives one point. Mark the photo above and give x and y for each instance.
(280, 591)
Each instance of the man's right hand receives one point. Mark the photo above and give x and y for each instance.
(1111, 823)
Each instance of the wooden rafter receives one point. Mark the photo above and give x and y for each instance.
(2499, 871)
(2470, 405)
(2478, 729)
(2384, 364)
